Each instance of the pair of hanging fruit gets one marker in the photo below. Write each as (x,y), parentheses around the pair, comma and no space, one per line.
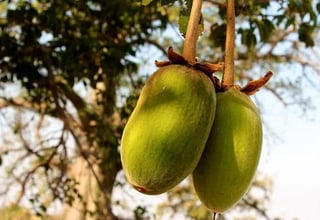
(181,126)
(186,122)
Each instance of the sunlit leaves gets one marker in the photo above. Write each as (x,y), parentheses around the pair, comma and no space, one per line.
(3,11)
(146,2)
(184,19)
(163,2)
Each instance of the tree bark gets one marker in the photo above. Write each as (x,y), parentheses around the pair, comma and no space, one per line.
(97,168)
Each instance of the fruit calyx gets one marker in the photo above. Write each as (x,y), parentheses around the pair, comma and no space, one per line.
(207,68)
(252,86)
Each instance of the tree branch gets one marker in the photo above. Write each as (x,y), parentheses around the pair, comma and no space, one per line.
(255,206)
(157,45)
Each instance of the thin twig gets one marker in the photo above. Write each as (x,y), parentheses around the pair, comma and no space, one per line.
(253,205)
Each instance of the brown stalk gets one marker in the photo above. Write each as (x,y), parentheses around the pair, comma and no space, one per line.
(190,42)
(228,74)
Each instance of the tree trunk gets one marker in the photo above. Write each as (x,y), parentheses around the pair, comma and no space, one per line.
(97,168)
(94,199)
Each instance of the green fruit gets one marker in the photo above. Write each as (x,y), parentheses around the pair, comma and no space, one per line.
(166,133)
(232,153)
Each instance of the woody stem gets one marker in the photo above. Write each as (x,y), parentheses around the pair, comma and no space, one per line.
(190,42)
(228,74)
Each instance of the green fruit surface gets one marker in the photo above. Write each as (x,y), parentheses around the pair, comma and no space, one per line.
(232,153)
(167,131)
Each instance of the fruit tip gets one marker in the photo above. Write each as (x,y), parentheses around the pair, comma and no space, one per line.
(140,189)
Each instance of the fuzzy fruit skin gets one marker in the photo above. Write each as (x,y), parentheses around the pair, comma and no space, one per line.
(232,153)
(167,131)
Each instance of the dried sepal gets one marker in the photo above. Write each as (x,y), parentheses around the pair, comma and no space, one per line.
(176,58)
(253,86)
(206,68)
(162,63)
(209,68)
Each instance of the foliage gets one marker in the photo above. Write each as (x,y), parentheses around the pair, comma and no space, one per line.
(47,49)
(16,213)
(63,64)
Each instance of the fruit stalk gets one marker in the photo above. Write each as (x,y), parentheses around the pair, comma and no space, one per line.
(228,74)
(190,42)
(214,216)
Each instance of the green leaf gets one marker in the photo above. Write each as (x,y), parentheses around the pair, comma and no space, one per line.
(306,34)
(3,8)
(265,28)
(146,2)
(279,19)
(188,4)
(184,19)
(289,22)
(218,35)
(248,38)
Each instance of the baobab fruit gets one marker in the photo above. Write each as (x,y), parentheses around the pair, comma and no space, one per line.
(232,152)
(167,131)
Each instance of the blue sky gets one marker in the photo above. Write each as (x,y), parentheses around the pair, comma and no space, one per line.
(293,162)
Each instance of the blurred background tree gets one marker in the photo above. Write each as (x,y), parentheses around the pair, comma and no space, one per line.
(70,74)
